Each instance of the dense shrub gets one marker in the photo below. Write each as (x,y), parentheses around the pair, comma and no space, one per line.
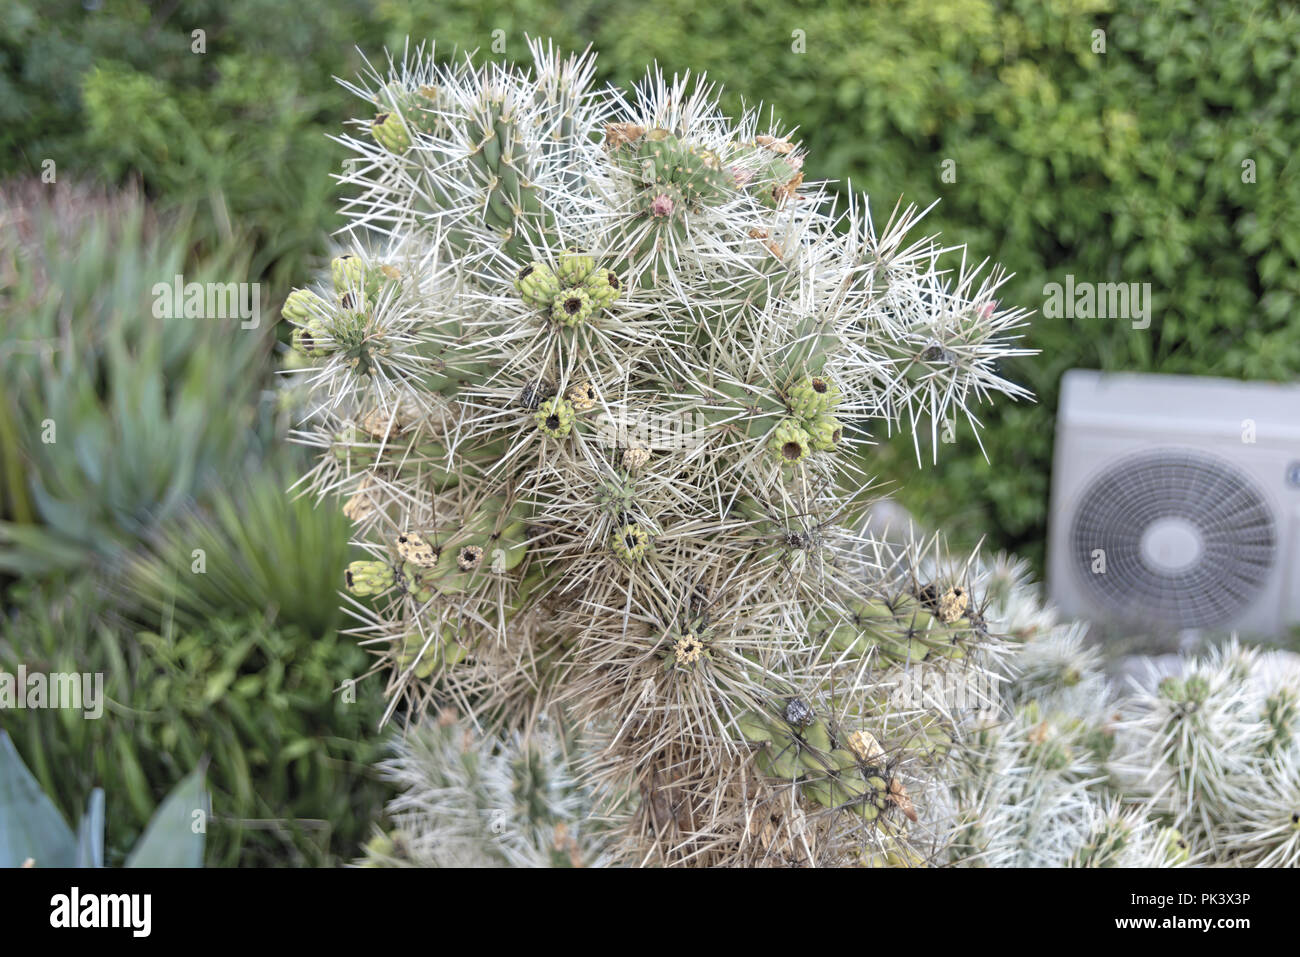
(1122,166)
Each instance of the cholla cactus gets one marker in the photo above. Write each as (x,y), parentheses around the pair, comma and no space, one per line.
(1216,749)
(1200,767)
(1028,783)
(467,800)
(591,381)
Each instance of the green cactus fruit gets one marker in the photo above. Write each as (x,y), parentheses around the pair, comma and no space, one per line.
(390,132)
(571,307)
(1174,845)
(369,577)
(630,542)
(303,305)
(812,396)
(348,273)
(789,442)
(555,417)
(604,287)
(825,432)
(575,267)
(311,339)
(537,284)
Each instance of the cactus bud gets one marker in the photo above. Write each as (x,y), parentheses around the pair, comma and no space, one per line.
(369,578)
(825,432)
(812,396)
(575,267)
(310,339)
(348,273)
(303,304)
(662,206)
(390,132)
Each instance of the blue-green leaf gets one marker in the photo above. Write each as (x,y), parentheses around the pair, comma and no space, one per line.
(172,838)
(31,827)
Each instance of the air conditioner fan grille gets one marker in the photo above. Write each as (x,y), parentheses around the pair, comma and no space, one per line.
(1216,502)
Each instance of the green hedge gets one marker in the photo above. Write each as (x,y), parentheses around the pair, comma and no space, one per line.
(1122,166)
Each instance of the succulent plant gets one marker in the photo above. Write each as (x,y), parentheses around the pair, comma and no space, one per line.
(625,357)
(467,799)
(1198,767)
(33,833)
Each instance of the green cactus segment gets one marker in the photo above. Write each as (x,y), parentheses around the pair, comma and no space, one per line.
(417,110)
(431,653)
(798,746)
(511,204)
(813,341)
(390,132)
(898,632)
(493,540)
(789,442)
(367,578)
(555,417)
(672,176)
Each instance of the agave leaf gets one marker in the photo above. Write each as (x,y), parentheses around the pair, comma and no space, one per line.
(30,825)
(90,832)
(170,839)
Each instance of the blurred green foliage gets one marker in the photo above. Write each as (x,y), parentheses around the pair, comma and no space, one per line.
(117,418)
(250,547)
(290,758)
(165,441)
(1117,166)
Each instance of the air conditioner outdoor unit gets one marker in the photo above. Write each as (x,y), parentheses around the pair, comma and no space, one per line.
(1176,503)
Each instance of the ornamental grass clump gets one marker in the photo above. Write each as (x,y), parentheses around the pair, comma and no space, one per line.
(592,380)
